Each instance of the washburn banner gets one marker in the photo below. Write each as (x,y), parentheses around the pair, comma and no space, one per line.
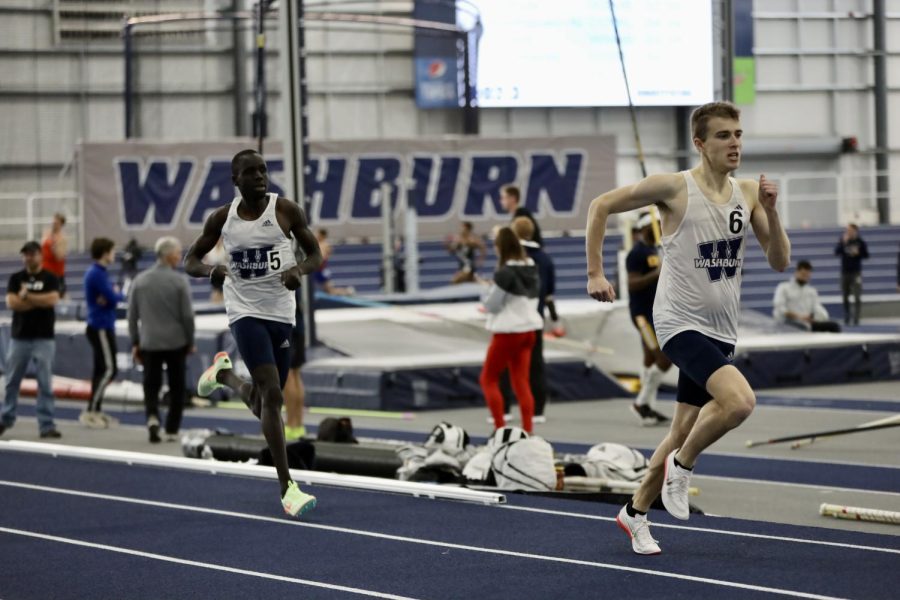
(146,189)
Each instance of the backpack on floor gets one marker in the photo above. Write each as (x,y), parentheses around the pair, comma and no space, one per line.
(615,461)
(525,464)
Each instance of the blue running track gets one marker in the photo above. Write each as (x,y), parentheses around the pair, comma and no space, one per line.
(72,528)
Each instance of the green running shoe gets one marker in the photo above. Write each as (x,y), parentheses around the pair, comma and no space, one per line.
(294,433)
(208,384)
(297,503)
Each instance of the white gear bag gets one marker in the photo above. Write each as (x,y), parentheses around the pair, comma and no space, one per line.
(525,464)
(615,461)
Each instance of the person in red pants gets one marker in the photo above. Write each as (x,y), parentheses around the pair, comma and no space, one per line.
(511,305)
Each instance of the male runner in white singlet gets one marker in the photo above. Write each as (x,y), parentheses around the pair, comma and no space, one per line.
(705,213)
(259,282)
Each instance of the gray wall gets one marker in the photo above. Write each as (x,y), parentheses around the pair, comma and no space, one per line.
(813,71)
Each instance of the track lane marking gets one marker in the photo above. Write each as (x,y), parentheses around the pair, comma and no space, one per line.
(419,541)
(202,565)
(763,536)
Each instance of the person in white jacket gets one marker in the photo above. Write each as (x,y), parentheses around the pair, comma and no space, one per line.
(797,303)
(511,303)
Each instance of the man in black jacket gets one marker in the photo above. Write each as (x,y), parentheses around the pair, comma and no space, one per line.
(510,197)
(852,249)
(31,295)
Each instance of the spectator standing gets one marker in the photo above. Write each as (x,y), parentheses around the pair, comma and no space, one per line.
(31,294)
(523,227)
(511,304)
(853,250)
(131,256)
(797,303)
(510,198)
(161,329)
(54,247)
(294,391)
(101,298)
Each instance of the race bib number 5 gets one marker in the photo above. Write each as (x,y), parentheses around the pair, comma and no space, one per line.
(274,260)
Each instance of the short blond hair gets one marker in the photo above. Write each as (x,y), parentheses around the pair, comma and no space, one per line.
(523,228)
(701,116)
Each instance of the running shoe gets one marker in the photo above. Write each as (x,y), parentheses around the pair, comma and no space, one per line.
(51,433)
(294,433)
(208,384)
(91,420)
(661,419)
(107,420)
(297,503)
(153,430)
(676,485)
(638,529)
(645,414)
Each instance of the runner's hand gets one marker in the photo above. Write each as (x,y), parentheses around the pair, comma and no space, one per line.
(600,289)
(291,278)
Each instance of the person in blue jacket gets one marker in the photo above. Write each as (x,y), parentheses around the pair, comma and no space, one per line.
(101,297)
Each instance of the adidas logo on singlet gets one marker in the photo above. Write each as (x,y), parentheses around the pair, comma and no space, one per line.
(285,344)
(268,223)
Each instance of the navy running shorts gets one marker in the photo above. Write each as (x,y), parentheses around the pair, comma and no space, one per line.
(697,357)
(263,342)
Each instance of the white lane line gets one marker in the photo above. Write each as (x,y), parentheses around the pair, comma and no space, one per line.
(423,542)
(778,538)
(800,459)
(814,486)
(202,565)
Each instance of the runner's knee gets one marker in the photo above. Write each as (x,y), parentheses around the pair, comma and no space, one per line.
(740,404)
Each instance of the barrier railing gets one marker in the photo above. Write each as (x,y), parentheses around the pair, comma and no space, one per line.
(37,216)
(820,199)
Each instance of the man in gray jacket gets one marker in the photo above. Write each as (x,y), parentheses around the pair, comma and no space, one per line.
(161,327)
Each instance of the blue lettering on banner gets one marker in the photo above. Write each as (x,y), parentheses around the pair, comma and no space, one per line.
(218,190)
(489,174)
(325,191)
(251,262)
(372,173)
(718,257)
(153,190)
(440,202)
(561,188)
(156,189)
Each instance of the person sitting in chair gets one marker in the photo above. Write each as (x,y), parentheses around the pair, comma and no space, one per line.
(797,303)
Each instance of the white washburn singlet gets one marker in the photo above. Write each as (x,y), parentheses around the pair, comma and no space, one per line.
(258,253)
(700,283)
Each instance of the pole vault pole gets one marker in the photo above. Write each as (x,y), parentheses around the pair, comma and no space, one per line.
(657,230)
(259,121)
(295,131)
